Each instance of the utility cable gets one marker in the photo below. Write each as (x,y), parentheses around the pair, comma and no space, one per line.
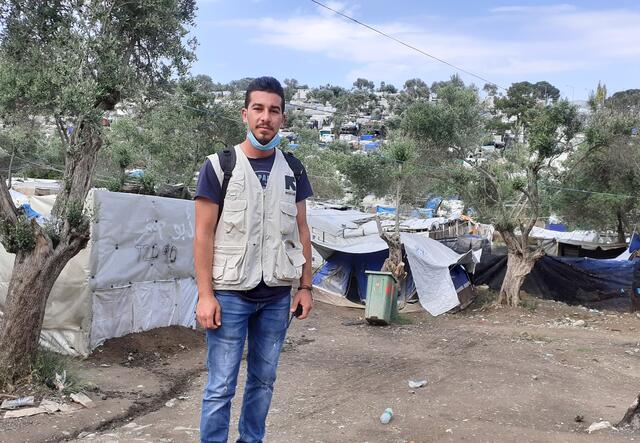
(407,45)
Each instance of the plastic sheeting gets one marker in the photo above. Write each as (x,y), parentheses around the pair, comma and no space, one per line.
(567,279)
(345,273)
(155,245)
(141,307)
(136,273)
(430,262)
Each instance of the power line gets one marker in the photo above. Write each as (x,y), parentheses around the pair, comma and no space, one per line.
(408,45)
(584,191)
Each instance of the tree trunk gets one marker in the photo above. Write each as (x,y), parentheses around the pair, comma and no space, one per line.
(393,263)
(622,238)
(518,267)
(33,275)
(36,270)
(520,261)
(632,418)
(9,172)
(80,163)
(31,281)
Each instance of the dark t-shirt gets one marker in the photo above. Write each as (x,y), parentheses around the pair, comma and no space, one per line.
(209,187)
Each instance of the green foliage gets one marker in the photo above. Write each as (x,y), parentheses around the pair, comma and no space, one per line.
(455,81)
(367,174)
(291,85)
(455,121)
(49,363)
(76,216)
(363,83)
(522,97)
(19,236)
(628,100)
(171,139)
(607,164)
(388,88)
(320,165)
(327,94)
(503,186)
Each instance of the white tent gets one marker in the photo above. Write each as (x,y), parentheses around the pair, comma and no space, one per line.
(135,274)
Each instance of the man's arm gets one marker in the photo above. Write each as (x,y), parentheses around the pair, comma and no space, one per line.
(303,296)
(208,309)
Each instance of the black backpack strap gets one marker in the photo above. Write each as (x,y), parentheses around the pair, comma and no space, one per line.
(227,160)
(294,164)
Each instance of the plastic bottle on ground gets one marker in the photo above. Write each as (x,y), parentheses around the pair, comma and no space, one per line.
(386,416)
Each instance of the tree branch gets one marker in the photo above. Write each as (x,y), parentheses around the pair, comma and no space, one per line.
(62,130)
(8,210)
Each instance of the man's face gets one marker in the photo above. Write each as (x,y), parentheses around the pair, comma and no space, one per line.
(264,115)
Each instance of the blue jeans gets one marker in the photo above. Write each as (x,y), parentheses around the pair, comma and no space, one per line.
(265,324)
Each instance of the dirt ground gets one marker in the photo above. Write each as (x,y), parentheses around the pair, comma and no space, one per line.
(494,375)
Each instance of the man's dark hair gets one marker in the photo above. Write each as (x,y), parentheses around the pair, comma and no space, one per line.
(265,84)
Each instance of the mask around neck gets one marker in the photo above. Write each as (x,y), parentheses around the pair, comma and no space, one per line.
(275,141)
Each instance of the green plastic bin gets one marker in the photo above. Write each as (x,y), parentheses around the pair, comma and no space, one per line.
(382,295)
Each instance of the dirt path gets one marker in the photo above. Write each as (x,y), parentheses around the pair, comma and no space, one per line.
(495,375)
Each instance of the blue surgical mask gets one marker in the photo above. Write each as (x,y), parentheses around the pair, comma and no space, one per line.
(275,141)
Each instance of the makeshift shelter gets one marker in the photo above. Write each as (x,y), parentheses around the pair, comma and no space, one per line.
(567,279)
(577,243)
(350,244)
(135,274)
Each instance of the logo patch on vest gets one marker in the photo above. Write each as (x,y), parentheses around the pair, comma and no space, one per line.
(289,184)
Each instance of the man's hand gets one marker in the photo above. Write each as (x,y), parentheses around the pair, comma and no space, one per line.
(208,312)
(302,298)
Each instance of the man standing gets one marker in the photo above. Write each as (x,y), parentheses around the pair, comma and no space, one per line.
(246,260)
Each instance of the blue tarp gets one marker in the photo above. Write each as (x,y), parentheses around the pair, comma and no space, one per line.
(33,214)
(371,146)
(573,280)
(29,211)
(558,227)
(634,244)
(136,173)
(367,137)
(385,210)
(345,274)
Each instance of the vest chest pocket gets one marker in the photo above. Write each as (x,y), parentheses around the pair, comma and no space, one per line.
(227,263)
(236,184)
(233,216)
(288,212)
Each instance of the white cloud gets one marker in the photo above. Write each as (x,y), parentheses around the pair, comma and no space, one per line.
(544,40)
(548,9)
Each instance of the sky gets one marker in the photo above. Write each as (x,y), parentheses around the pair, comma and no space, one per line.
(571,45)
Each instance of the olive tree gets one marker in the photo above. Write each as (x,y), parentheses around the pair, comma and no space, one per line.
(71,61)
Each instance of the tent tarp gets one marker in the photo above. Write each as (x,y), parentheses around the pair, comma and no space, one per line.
(343,274)
(430,261)
(567,279)
(135,274)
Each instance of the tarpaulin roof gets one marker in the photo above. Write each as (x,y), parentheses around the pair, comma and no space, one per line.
(568,279)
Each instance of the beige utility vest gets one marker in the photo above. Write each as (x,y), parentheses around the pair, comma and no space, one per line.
(257,235)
